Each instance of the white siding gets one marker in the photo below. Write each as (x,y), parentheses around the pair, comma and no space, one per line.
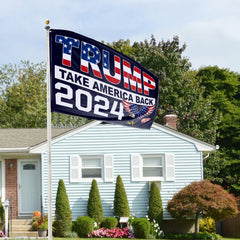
(121,142)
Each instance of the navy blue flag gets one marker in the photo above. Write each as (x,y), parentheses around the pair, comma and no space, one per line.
(92,80)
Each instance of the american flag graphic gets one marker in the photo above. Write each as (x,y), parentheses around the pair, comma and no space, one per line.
(68,43)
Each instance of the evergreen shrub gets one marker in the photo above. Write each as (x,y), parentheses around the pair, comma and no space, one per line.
(110,223)
(63,214)
(2,214)
(155,210)
(121,207)
(94,208)
(83,226)
(141,228)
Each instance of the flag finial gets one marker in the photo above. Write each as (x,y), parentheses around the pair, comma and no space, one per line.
(47,27)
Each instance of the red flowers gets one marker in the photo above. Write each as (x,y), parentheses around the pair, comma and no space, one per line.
(111,233)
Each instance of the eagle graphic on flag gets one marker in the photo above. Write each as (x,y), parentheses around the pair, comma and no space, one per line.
(136,113)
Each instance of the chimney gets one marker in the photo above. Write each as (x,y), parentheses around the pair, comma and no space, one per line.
(170,119)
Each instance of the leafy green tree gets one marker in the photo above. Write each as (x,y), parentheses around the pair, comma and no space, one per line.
(223,86)
(121,207)
(178,86)
(63,214)
(202,197)
(94,208)
(155,210)
(23,98)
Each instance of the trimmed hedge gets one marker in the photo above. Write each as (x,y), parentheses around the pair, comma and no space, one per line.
(63,214)
(110,223)
(94,208)
(155,211)
(83,226)
(141,227)
(121,207)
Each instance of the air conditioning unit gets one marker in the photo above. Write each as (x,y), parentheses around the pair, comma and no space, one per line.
(159,184)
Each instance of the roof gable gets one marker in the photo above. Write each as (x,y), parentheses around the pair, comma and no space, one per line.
(35,140)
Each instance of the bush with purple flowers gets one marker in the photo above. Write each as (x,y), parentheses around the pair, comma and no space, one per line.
(111,233)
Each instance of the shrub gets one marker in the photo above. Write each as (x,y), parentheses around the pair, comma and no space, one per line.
(71,234)
(155,211)
(207,225)
(110,223)
(63,214)
(94,208)
(121,208)
(83,226)
(141,227)
(2,214)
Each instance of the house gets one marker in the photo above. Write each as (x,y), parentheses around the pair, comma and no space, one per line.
(100,151)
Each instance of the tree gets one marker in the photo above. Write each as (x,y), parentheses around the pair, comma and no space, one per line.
(94,208)
(63,214)
(155,210)
(178,86)
(23,98)
(223,86)
(202,197)
(121,208)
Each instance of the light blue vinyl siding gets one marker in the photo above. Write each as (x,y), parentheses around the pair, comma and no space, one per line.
(121,142)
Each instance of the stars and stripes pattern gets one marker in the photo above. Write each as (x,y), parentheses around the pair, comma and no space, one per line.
(90,55)
(134,78)
(68,43)
(116,78)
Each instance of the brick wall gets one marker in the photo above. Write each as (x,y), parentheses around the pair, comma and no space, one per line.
(11,185)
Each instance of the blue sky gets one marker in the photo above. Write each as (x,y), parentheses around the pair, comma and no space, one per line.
(210,28)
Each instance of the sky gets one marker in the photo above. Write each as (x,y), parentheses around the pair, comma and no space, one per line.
(209,28)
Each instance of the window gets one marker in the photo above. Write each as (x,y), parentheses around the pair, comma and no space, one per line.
(91,167)
(85,168)
(152,166)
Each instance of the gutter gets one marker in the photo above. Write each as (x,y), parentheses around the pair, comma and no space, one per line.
(14,150)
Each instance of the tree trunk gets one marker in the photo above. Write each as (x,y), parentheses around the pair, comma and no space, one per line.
(196,223)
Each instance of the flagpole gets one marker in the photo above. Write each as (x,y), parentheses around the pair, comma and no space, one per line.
(49,136)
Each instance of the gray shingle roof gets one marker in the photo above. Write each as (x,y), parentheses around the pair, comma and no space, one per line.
(26,137)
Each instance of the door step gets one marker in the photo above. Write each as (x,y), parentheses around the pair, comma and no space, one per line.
(21,228)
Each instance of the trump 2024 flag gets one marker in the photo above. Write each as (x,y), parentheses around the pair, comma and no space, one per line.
(92,80)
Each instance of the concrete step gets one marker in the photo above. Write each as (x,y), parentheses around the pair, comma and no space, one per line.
(21,228)
(21,221)
(23,234)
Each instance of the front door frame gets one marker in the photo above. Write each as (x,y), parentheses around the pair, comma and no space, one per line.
(20,161)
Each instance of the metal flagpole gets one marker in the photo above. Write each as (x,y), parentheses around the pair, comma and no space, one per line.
(49,137)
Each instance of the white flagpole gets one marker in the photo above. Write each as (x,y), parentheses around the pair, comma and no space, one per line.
(49,136)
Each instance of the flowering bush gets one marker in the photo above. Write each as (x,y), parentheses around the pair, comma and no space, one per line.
(155,229)
(40,222)
(111,233)
(2,234)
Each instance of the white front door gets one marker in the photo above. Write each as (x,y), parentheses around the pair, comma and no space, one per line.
(29,187)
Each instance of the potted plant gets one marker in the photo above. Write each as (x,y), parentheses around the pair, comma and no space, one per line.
(40,223)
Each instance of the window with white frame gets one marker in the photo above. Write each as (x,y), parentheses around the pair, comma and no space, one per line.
(92,167)
(84,168)
(153,167)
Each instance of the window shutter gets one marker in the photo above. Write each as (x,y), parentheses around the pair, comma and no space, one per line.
(75,168)
(108,168)
(170,166)
(136,166)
